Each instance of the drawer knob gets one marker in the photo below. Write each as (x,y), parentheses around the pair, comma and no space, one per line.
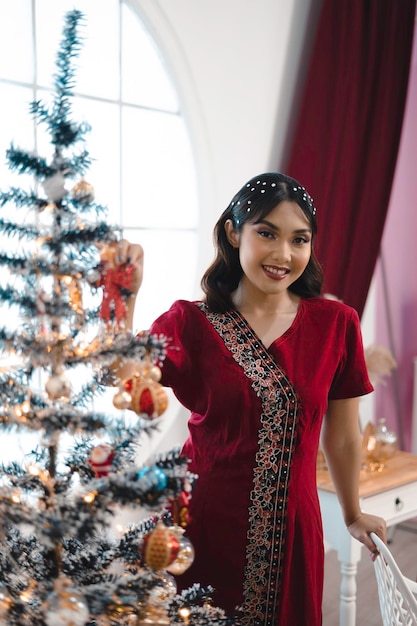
(399,504)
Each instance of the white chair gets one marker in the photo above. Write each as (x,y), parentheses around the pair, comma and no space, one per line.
(397,593)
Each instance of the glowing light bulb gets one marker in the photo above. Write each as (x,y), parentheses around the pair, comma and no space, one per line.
(25,595)
(90,497)
(185,613)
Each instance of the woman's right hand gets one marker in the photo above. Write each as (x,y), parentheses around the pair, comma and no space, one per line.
(132,254)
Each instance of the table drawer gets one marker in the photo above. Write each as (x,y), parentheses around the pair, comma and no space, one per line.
(394,505)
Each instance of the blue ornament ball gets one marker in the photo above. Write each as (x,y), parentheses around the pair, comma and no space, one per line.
(156,476)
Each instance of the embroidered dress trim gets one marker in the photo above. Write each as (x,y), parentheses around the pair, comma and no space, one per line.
(271,474)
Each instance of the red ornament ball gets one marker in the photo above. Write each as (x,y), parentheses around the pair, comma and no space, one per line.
(160,547)
(149,399)
(101,459)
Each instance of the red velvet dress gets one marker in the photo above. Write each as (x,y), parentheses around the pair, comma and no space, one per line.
(254,431)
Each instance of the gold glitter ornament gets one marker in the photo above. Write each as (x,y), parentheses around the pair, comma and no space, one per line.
(83,192)
(160,547)
(75,294)
(122,400)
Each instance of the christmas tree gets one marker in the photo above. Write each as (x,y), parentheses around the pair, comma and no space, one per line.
(61,562)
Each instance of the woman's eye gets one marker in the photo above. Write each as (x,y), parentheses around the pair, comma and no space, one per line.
(265,233)
(301,240)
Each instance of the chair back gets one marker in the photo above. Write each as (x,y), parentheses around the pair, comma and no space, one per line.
(397,593)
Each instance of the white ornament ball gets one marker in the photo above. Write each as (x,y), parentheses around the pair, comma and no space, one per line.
(66,607)
(184,559)
(155,373)
(57,386)
(54,187)
(164,591)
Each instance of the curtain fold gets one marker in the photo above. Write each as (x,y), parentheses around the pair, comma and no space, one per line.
(348,132)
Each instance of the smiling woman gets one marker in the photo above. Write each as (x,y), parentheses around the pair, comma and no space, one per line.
(261,363)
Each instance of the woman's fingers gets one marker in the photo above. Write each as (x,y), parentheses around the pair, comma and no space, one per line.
(132,254)
(363,526)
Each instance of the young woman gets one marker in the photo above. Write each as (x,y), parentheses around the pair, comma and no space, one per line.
(259,362)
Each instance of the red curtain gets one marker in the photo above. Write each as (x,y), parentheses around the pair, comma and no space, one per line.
(348,132)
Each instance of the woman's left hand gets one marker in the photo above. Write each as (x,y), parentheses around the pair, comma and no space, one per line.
(365,524)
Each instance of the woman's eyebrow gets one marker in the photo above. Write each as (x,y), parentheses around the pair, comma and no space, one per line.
(299,231)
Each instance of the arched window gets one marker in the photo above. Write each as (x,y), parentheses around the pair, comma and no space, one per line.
(143,166)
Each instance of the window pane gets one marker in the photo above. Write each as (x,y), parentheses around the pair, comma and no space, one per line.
(98,62)
(16,42)
(144,77)
(169,271)
(158,178)
(16,124)
(103,145)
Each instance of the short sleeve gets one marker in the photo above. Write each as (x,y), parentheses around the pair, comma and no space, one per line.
(351,378)
(180,326)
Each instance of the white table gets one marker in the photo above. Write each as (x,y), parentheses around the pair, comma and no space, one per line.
(391,493)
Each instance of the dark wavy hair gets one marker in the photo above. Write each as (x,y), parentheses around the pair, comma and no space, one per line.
(251,204)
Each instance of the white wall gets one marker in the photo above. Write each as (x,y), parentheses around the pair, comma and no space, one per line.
(237,66)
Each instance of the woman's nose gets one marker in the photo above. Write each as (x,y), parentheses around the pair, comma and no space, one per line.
(282,252)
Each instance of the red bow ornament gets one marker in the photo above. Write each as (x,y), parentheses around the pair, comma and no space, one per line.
(113,279)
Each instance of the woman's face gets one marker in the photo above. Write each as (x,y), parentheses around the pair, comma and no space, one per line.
(274,252)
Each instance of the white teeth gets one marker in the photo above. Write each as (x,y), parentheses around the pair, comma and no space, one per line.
(275,270)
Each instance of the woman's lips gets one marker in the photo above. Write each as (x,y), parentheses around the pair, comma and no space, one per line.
(277,273)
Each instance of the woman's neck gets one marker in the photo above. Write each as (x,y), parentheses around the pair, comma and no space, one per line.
(270,317)
(246,301)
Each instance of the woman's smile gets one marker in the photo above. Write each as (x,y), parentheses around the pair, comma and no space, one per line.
(276,273)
